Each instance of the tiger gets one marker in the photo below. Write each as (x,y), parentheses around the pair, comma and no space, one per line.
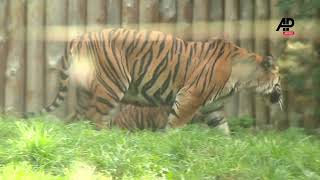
(132,117)
(152,69)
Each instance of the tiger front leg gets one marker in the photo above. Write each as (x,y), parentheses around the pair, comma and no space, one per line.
(186,104)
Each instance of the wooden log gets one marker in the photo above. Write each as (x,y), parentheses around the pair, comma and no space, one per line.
(113,13)
(261,47)
(149,14)
(216,15)
(130,14)
(276,48)
(14,84)
(35,56)
(200,20)
(96,15)
(4,5)
(168,16)
(231,33)
(76,22)
(184,19)
(246,41)
(56,38)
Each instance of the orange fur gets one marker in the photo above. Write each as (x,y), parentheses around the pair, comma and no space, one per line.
(153,69)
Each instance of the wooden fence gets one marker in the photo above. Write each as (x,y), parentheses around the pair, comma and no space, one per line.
(33,34)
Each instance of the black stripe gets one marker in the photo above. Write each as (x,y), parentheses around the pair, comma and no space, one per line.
(160,68)
(149,61)
(119,64)
(162,44)
(205,84)
(111,75)
(145,42)
(210,92)
(176,69)
(148,98)
(173,112)
(166,83)
(188,64)
(169,98)
(105,101)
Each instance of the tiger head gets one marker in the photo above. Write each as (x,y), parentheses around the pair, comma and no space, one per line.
(250,70)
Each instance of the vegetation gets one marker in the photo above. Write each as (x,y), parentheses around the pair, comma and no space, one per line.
(299,62)
(45,148)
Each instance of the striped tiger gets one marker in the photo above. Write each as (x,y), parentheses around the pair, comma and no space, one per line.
(132,117)
(151,68)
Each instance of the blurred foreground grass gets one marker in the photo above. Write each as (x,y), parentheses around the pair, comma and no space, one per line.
(45,148)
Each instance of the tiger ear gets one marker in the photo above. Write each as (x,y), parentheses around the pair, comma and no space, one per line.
(268,62)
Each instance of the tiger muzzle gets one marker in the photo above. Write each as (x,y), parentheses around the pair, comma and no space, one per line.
(276,94)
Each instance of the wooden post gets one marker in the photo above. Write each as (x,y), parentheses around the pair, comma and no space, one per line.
(149,14)
(261,47)
(14,87)
(200,20)
(114,13)
(216,14)
(168,16)
(184,18)
(56,37)
(276,48)
(76,22)
(96,15)
(3,49)
(130,14)
(35,56)
(231,33)
(246,41)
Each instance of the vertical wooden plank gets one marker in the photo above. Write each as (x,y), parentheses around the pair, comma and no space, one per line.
(14,87)
(261,47)
(76,22)
(114,13)
(3,49)
(231,33)
(56,37)
(149,14)
(216,16)
(184,18)
(200,20)
(168,16)
(276,48)
(96,15)
(130,14)
(35,56)
(246,41)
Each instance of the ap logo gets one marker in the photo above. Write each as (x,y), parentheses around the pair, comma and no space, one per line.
(285,24)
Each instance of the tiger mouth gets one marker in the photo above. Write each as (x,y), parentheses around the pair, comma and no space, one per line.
(275,96)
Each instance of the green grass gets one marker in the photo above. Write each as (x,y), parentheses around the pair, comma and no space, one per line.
(47,149)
